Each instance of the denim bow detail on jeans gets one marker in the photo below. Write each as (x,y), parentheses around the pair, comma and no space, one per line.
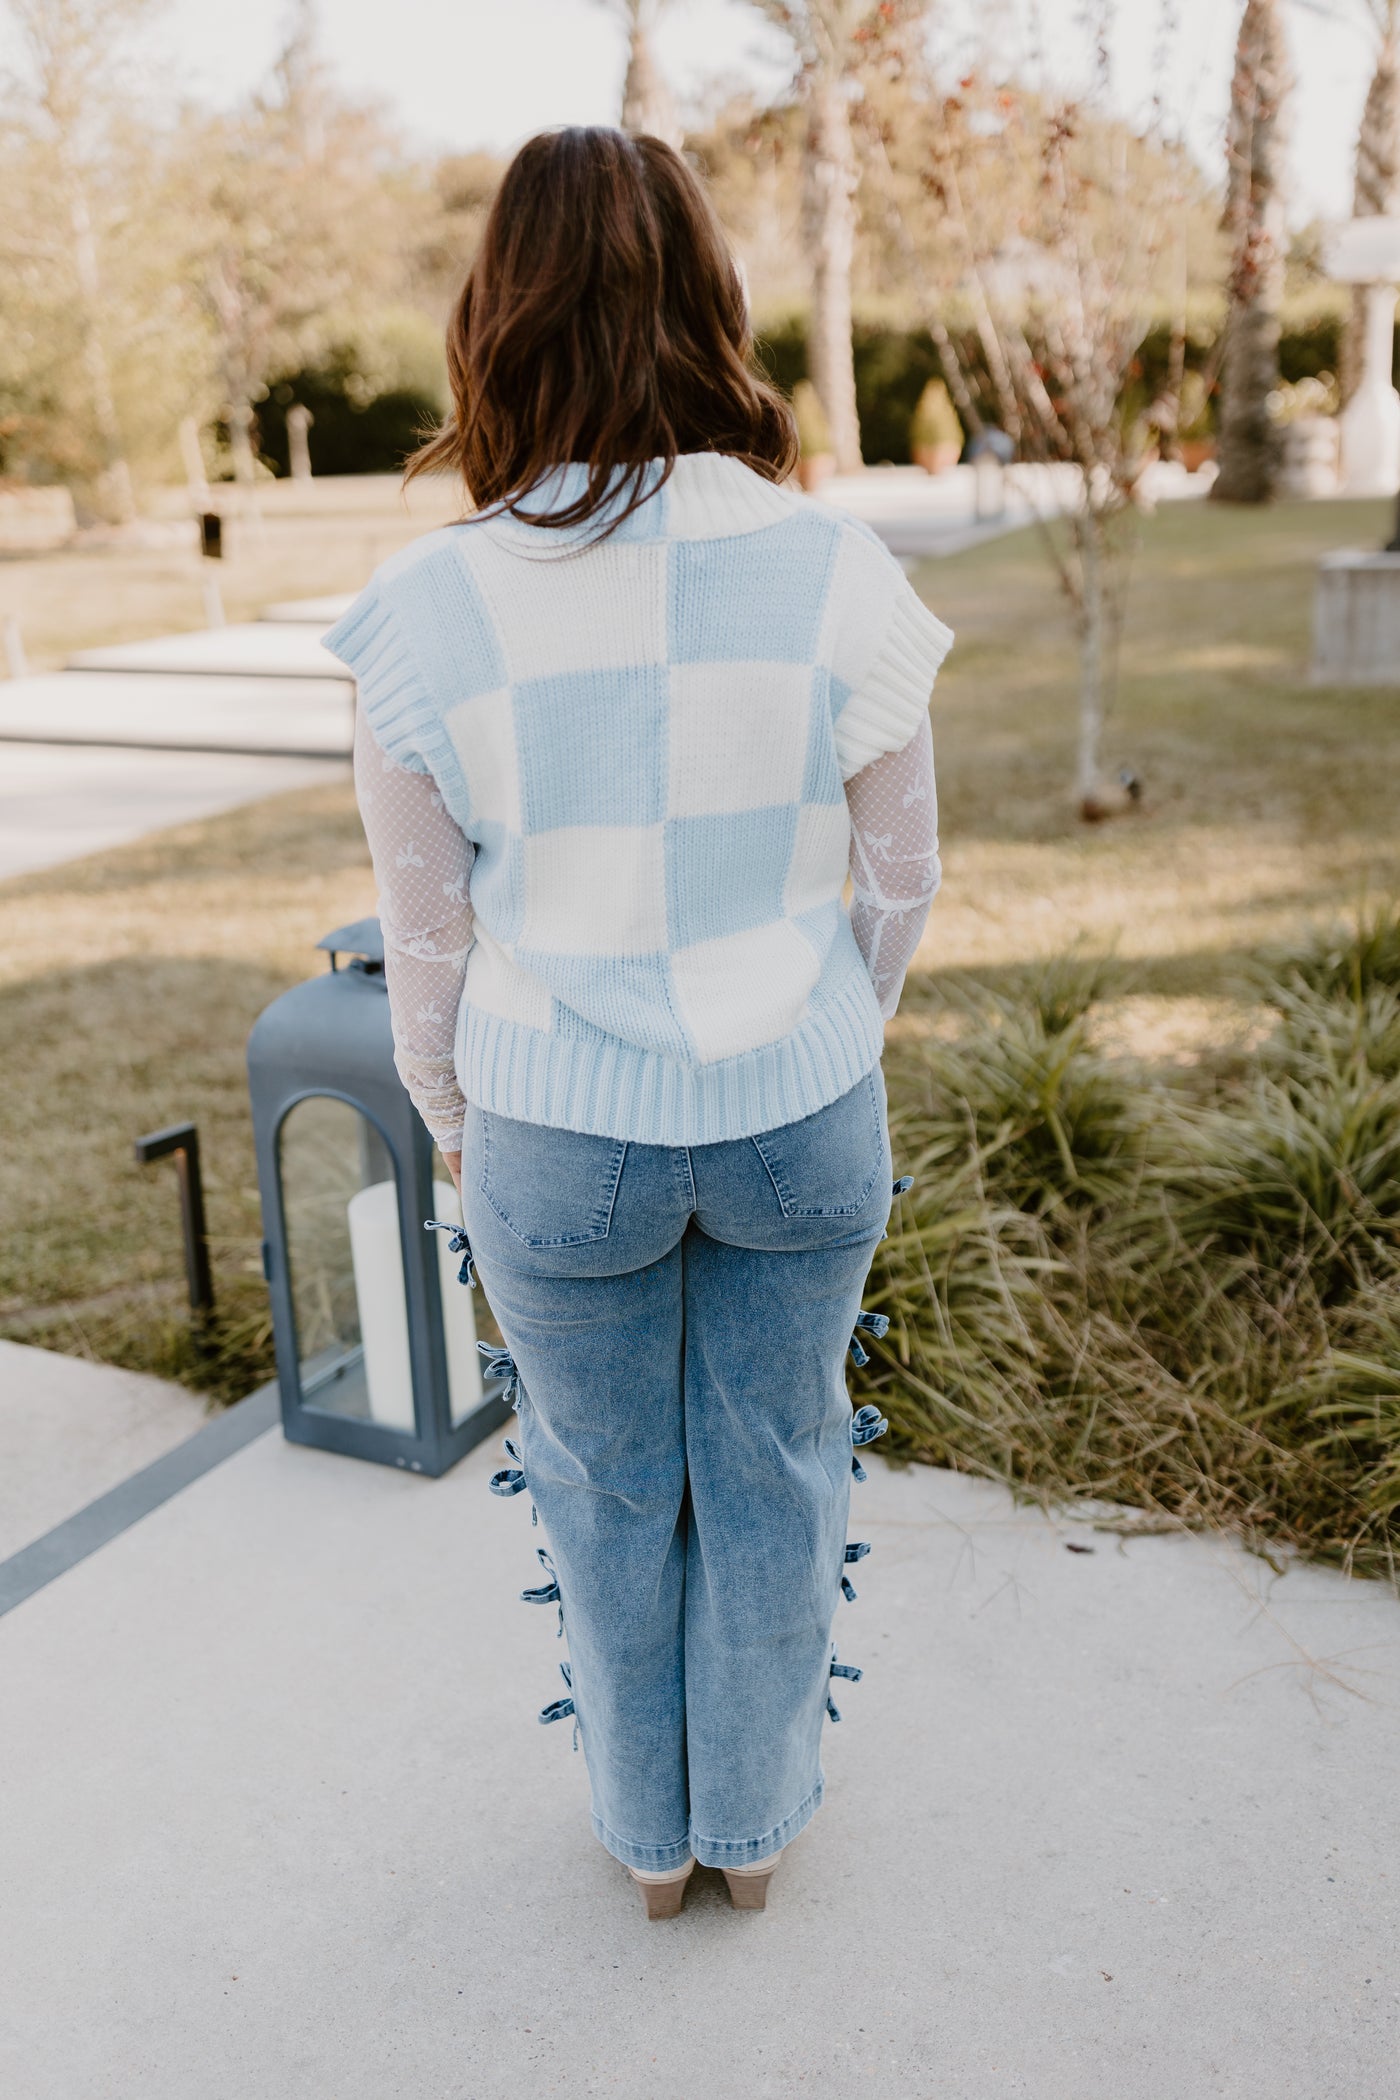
(840,1669)
(497,1362)
(867,1423)
(511,1479)
(560,1709)
(547,1592)
(458,1243)
(877,1324)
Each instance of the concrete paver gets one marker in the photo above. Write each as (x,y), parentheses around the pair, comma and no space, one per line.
(248,649)
(281,1824)
(305,717)
(61,801)
(919,515)
(313,612)
(70,1430)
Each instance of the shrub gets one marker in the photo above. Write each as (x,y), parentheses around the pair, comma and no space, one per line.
(935,420)
(1183,1300)
(894,365)
(373,393)
(1303,1176)
(813,430)
(1344,959)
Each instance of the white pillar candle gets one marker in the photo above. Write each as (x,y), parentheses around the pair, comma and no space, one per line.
(379,1290)
(377,1257)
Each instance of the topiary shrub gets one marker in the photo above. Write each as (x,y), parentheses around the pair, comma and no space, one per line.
(813,430)
(815,460)
(935,433)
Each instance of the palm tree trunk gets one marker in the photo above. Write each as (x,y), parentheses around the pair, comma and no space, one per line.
(831,183)
(118,495)
(1251,449)
(647,102)
(1377,189)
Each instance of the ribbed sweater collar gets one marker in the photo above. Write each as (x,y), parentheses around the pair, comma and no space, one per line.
(708,495)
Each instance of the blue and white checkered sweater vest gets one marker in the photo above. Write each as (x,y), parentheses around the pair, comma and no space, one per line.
(646,737)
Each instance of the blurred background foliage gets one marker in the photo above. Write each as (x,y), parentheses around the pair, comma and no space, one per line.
(218,266)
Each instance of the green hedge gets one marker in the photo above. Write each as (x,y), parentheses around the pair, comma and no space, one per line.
(347,435)
(352,435)
(894,365)
(892,369)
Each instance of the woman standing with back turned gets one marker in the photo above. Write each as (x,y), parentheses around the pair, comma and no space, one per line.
(623,732)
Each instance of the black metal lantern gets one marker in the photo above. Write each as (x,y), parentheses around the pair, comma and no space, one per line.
(376,1343)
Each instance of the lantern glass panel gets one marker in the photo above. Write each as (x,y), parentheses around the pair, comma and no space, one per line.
(341,1205)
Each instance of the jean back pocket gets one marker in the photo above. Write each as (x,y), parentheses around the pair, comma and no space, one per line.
(550,1188)
(826,1165)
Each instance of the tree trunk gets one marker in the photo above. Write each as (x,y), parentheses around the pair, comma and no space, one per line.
(1251,446)
(240,442)
(830,184)
(1377,190)
(118,493)
(1088,531)
(647,103)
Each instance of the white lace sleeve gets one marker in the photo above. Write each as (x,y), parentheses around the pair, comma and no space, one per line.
(894,860)
(423,866)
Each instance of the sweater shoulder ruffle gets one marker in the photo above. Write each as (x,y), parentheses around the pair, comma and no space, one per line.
(884,648)
(369,639)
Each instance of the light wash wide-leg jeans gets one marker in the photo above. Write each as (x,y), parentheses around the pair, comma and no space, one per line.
(679,1318)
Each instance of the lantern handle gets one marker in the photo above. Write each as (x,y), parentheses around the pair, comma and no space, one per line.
(363,940)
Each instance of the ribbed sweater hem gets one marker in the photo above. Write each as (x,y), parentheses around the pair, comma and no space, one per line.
(622,1091)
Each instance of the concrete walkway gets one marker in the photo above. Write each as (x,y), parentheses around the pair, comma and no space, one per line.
(143,735)
(69,1430)
(162,711)
(264,648)
(60,801)
(280,1823)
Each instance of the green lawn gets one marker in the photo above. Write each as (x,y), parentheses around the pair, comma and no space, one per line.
(1266,801)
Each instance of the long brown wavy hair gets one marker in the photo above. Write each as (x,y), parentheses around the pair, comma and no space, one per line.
(603,320)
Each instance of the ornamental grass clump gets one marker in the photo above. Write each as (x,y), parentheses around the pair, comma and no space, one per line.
(1178,1294)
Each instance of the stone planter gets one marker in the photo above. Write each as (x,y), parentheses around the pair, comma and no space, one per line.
(1356,620)
(1311,457)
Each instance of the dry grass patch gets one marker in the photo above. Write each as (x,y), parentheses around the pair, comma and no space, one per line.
(310,541)
(1268,802)
(127,988)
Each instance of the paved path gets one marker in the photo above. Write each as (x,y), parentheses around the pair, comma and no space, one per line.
(59,802)
(281,1825)
(144,735)
(70,1430)
(269,687)
(165,711)
(919,515)
(312,612)
(265,648)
